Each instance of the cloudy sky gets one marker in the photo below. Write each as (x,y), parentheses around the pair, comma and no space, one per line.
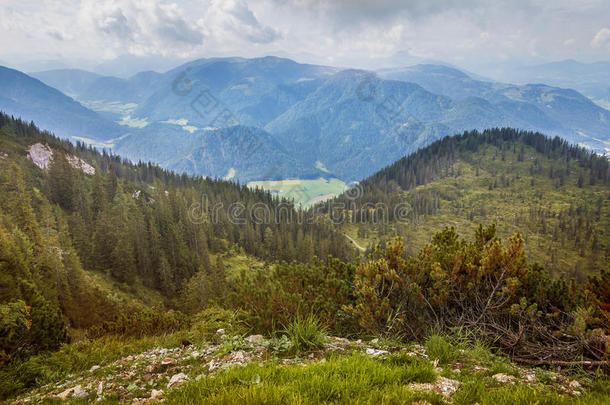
(469,33)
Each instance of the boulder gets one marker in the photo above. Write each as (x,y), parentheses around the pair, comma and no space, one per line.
(177,379)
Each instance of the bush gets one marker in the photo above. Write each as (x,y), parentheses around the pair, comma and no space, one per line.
(141,322)
(306,333)
(481,285)
(278,294)
(207,322)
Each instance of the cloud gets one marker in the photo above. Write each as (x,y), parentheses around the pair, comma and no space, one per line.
(141,26)
(601,39)
(56,35)
(235,18)
(354,33)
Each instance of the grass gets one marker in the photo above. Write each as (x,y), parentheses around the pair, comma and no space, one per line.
(475,390)
(439,348)
(306,334)
(350,377)
(75,358)
(305,192)
(355,378)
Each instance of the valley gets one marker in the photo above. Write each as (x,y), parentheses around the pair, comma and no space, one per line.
(302,114)
(305,202)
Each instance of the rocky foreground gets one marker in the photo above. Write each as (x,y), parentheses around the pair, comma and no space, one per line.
(149,376)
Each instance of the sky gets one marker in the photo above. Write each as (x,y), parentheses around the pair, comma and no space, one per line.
(473,34)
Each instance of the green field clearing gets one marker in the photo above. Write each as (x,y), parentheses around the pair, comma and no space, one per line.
(304,192)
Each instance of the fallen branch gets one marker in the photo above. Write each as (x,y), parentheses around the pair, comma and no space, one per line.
(561,363)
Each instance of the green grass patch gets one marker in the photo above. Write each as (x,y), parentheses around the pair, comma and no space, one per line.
(75,358)
(347,379)
(306,333)
(304,192)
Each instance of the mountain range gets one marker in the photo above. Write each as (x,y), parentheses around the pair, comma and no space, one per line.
(591,79)
(303,121)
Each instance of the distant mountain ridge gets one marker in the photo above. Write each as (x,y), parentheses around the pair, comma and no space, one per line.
(29,98)
(351,122)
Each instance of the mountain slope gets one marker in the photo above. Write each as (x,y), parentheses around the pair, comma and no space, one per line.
(238,84)
(591,79)
(69,235)
(350,122)
(239,152)
(556,194)
(71,82)
(555,111)
(32,100)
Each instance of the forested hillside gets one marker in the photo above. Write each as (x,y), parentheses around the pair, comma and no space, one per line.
(102,259)
(66,235)
(554,193)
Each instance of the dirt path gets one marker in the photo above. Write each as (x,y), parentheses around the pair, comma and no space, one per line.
(354,242)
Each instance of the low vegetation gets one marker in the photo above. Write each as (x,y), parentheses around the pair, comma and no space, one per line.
(106,281)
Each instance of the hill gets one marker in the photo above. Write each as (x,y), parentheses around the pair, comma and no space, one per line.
(552,110)
(32,100)
(591,79)
(124,281)
(79,225)
(554,193)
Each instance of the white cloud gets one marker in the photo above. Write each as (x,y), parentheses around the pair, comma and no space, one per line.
(601,39)
(140,26)
(234,19)
(358,33)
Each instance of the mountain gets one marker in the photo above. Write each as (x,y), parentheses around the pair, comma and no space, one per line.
(126,282)
(354,123)
(252,90)
(32,100)
(591,79)
(239,152)
(350,122)
(82,220)
(554,193)
(556,111)
(71,82)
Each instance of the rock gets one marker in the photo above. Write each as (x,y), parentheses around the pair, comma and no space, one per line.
(177,379)
(255,339)
(41,155)
(74,392)
(443,386)
(220,332)
(100,389)
(375,352)
(375,341)
(574,384)
(332,347)
(529,377)
(155,394)
(503,378)
(92,369)
(167,361)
